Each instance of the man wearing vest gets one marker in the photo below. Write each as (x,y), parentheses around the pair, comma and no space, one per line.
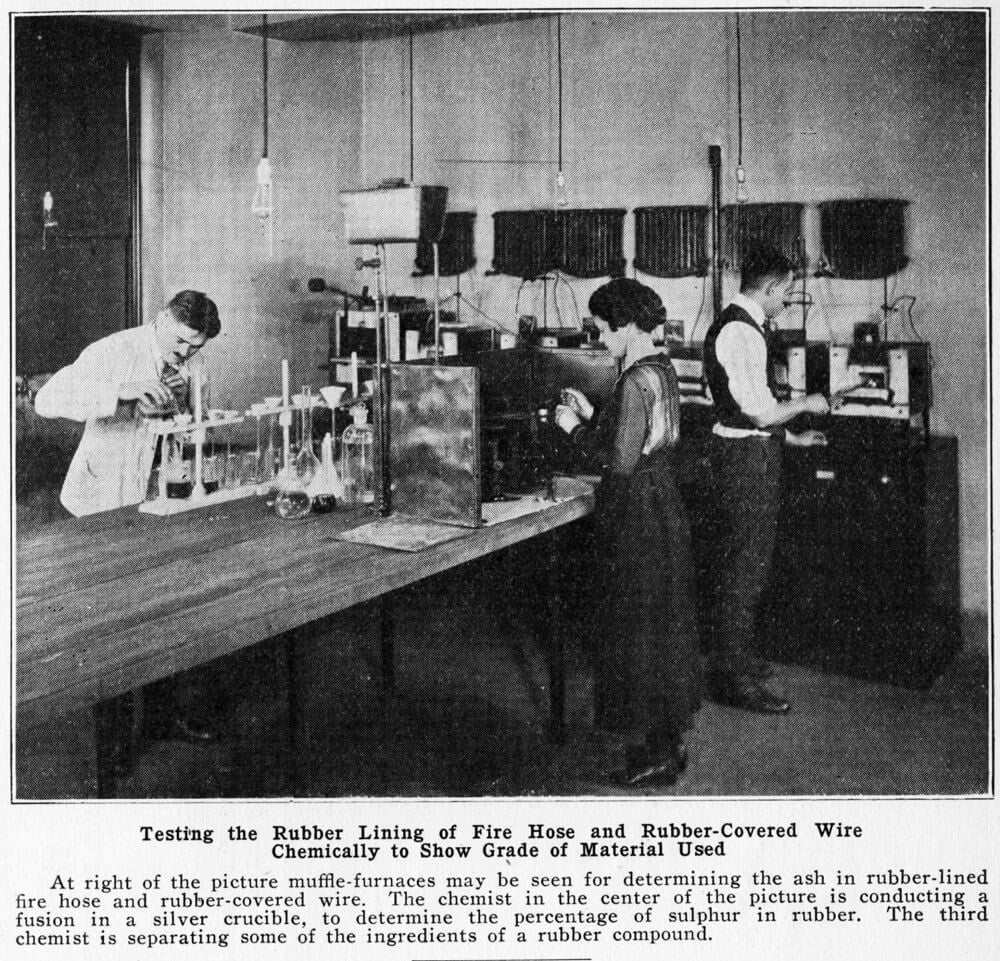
(746,461)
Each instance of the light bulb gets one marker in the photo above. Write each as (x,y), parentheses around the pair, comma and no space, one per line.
(741,188)
(47,204)
(561,199)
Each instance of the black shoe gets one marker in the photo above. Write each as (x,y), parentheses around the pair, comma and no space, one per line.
(647,768)
(748,694)
(182,729)
(760,669)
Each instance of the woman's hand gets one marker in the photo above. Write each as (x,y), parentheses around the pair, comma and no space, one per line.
(567,419)
(577,403)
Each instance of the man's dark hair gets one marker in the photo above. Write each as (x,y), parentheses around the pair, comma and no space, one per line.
(761,265)
(193,309)
(623,300)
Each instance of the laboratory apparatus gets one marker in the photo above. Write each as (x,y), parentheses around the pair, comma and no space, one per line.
(357,458)
(326,487)
(434,443)
(191,476)
(306,462)
(293,501)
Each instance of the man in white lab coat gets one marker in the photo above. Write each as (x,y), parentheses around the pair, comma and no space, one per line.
(114,386)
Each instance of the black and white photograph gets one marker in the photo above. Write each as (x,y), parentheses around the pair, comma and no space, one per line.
(500,404)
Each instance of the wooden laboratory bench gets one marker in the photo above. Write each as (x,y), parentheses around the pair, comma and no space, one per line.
(111,602)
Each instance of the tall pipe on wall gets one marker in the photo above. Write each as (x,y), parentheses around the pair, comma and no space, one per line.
(715,163)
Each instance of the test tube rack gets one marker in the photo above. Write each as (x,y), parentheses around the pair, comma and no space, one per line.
(164,506)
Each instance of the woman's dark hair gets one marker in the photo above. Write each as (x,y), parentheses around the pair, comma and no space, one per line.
(622,301)
(193,309)
(760,266)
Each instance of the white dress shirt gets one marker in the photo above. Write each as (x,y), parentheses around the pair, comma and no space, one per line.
(742,352)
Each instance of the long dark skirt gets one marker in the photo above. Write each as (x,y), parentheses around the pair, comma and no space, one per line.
(648,680)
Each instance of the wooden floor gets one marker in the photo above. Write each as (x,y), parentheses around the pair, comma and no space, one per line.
(469,718)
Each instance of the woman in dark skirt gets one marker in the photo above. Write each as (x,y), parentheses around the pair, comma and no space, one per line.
(648,671)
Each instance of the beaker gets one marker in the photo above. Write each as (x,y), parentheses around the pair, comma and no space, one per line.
(177,466)
(211,470)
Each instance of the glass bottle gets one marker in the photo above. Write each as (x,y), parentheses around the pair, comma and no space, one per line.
(357,467)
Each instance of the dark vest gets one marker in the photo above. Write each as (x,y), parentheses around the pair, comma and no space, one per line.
(727,411)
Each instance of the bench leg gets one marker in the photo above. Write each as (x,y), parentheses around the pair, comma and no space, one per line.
(114,742)
(550,636)
(387,638)
(298,767)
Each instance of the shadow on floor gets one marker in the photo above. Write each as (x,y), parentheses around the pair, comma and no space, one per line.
(469,715)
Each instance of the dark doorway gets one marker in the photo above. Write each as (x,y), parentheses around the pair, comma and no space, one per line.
(76,130)
(76,125)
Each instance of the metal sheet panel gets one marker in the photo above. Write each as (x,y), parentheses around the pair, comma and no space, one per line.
(434,443)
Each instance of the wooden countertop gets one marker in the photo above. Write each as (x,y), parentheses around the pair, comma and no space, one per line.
(108,603)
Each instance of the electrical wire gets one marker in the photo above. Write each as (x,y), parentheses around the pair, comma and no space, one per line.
(495,324)
(411,105)
(701,306)
(739,96)
(517,301)
(572,294)
(263,35)
(555,297)
(559,68)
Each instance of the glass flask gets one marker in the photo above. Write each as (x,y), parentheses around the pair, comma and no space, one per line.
(292,501)
(326,487)
(306,462)
(357,466)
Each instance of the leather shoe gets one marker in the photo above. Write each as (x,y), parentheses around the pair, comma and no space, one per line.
(183,729)
(647,768)
(749,694)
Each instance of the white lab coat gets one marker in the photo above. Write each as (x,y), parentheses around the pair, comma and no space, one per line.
(111,467)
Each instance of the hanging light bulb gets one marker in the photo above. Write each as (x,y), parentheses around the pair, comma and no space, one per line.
(261,205)
(741,186)
(561,199)
(741,177)
(48,217)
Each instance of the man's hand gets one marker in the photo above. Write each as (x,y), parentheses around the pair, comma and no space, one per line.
(817,404)
(577,402)
(177,384)
(152,397)
(567,419)
(807,438)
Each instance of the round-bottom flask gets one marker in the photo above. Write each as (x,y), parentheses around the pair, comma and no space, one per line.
(292,502)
